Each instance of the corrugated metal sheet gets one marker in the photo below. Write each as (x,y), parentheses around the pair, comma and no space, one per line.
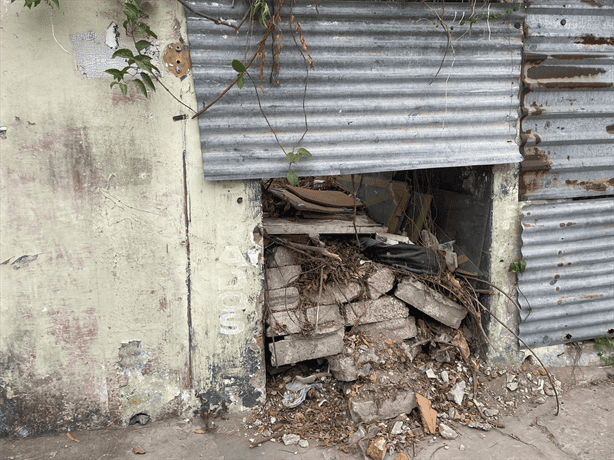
(567,291)
(373,102)
(569,100)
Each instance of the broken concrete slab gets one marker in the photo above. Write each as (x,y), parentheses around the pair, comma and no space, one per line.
(333,294)
(373,311)
(277,278)
(346,368)
(295,348)
(327,318)
(431,302)
(396,330)
(282,257)
(380,282)
(286,298)
(372,403)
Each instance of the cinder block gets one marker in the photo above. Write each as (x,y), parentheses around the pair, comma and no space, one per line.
(283,299)
(332,294)
(396,330)
(431,302)
(295,321)
(295,348)
(373,311)
(277,278)
(380,282)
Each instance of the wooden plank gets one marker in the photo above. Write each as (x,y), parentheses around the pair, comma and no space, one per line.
(321,226)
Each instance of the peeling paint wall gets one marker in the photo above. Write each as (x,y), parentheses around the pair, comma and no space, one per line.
(95,324)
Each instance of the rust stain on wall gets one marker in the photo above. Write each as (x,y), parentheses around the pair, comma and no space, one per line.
(591,186)
(559,72)
(592,40)
(609,129)
(535,168)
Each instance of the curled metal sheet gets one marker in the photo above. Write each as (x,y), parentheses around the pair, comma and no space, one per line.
(568,100)
(567,290)
(387,91)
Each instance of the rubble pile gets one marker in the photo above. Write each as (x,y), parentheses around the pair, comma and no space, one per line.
(373,356)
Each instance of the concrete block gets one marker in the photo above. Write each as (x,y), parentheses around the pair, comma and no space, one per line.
(283,299)
(431,302)
(373,311)
(332,294)
(371,403)
(296,321)
(396,330)
(295,348)
(380,282)
(282,257)
(277,278)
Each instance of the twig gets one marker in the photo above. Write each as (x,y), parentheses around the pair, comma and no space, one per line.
(169,92)
(322,251)
(216,20)
(264,114)
(269,30)
(498,289)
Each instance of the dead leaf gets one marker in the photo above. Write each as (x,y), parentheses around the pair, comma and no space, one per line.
(138,451)
(461,343)
(72,438)
(199,432)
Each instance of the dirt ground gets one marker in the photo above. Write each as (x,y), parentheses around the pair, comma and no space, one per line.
(582,430)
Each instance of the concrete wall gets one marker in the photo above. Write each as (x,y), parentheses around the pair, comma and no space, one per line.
(142,281)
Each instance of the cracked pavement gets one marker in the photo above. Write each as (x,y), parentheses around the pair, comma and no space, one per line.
(582,430)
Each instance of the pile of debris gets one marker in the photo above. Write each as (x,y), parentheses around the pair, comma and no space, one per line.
(368,339)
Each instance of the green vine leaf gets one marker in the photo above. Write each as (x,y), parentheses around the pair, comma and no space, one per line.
(124,88)
(292,178)
(141,45)
(238,66)
(141,86)
(240,82)
(123,53)
(117,74)
(518,267)
(148,81)
(304,153)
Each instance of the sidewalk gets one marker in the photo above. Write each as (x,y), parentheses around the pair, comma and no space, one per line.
(584,429)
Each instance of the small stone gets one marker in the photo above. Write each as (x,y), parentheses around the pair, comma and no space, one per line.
(446,447)
(431,374)
(461,447)
(452,413)
(447,432)
(549,391)
(267,433)
(397,428)
(357,435)
(444,377)
(303,443)
(457,392)
(490,412)
(377,449)
(290,439)
(540,400)
(512,386)
(509,403)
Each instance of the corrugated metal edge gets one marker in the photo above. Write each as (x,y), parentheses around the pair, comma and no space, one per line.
(568,101)
(466,116)
(567,291)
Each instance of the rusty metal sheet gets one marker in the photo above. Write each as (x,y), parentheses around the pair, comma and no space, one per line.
(567,290)
(568,100)
(387,93)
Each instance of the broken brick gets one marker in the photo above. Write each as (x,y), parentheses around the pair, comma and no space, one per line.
(295,321)
(396,330)
(332,294)
(277,278)
(373,311)
(431,302)
(427,414)
(380,282)
(283,299)
(295,348)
